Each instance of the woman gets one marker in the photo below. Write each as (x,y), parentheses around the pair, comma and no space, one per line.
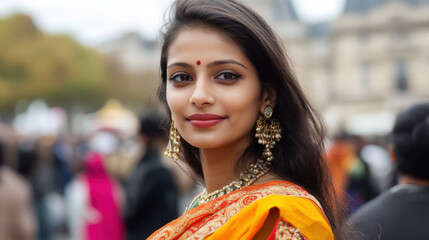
(242,123)
(94,203)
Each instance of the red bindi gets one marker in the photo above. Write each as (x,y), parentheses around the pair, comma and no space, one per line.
(198,62)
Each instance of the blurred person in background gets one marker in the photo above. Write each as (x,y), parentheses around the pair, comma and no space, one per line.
(93,201)
(40,175)
(402,212)
(16,214)
(377,156)
(351,174)
(62,153)
(151,192)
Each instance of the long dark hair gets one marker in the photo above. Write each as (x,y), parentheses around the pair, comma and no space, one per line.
(299,155)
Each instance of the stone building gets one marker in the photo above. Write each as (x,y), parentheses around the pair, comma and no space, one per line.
(359,69)
(363,67)
(379,62)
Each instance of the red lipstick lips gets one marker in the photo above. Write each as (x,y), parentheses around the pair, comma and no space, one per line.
(205,120)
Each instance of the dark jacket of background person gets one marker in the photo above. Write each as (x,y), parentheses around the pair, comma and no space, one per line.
(35,166)
(150,191)
(16,213)
(351,174)
(402,212)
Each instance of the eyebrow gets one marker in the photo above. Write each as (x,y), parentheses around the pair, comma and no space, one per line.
(220,62)
(212,64)
(180,64)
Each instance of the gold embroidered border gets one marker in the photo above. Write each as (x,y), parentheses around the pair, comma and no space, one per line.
(203,221)
(286,231)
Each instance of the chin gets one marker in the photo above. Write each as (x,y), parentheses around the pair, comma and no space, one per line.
(204,144)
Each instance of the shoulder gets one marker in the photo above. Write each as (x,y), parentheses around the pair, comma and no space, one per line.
(365,221)
(20,185)
(287,210)
(150,173)
(379,213)
(281,191)
(151,164)
(297,217)
(372,209)
(15,192)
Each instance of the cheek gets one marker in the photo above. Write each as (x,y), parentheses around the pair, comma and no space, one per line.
(246,99)
(174,100)
(244,107)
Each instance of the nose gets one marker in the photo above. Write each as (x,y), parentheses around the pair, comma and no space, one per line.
(203,93)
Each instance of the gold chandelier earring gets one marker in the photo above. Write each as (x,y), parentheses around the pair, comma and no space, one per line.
(268,132)
(173,147)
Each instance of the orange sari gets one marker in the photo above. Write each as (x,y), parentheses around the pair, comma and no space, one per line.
(242,213)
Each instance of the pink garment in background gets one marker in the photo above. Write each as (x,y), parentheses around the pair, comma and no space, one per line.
(105,220)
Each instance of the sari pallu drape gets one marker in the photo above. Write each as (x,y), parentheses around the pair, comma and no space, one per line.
(242,213)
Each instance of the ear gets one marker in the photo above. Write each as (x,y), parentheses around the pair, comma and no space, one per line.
(392,153)
(269,97)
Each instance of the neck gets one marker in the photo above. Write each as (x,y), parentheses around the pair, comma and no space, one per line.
(219,166)
(407,179)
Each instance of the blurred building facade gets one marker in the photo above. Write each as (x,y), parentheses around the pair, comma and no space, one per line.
(132,52)
(363,67)
(359,69)
(379,60)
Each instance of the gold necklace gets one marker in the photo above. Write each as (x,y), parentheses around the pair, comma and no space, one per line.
(256,170)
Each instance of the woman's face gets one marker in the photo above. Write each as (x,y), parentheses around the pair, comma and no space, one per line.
(212,89)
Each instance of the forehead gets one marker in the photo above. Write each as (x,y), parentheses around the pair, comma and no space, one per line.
(200,41)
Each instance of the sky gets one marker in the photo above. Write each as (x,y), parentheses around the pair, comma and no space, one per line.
(93,22)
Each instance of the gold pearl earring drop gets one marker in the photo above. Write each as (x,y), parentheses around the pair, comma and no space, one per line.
(173,147)
(268,132)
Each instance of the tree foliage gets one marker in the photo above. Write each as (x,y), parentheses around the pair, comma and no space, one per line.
(57,69)
(52,67)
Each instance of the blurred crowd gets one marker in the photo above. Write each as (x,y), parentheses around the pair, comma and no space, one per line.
(361,168)
(109,184)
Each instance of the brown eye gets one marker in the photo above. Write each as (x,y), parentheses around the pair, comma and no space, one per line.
(181,77)
(228,76)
